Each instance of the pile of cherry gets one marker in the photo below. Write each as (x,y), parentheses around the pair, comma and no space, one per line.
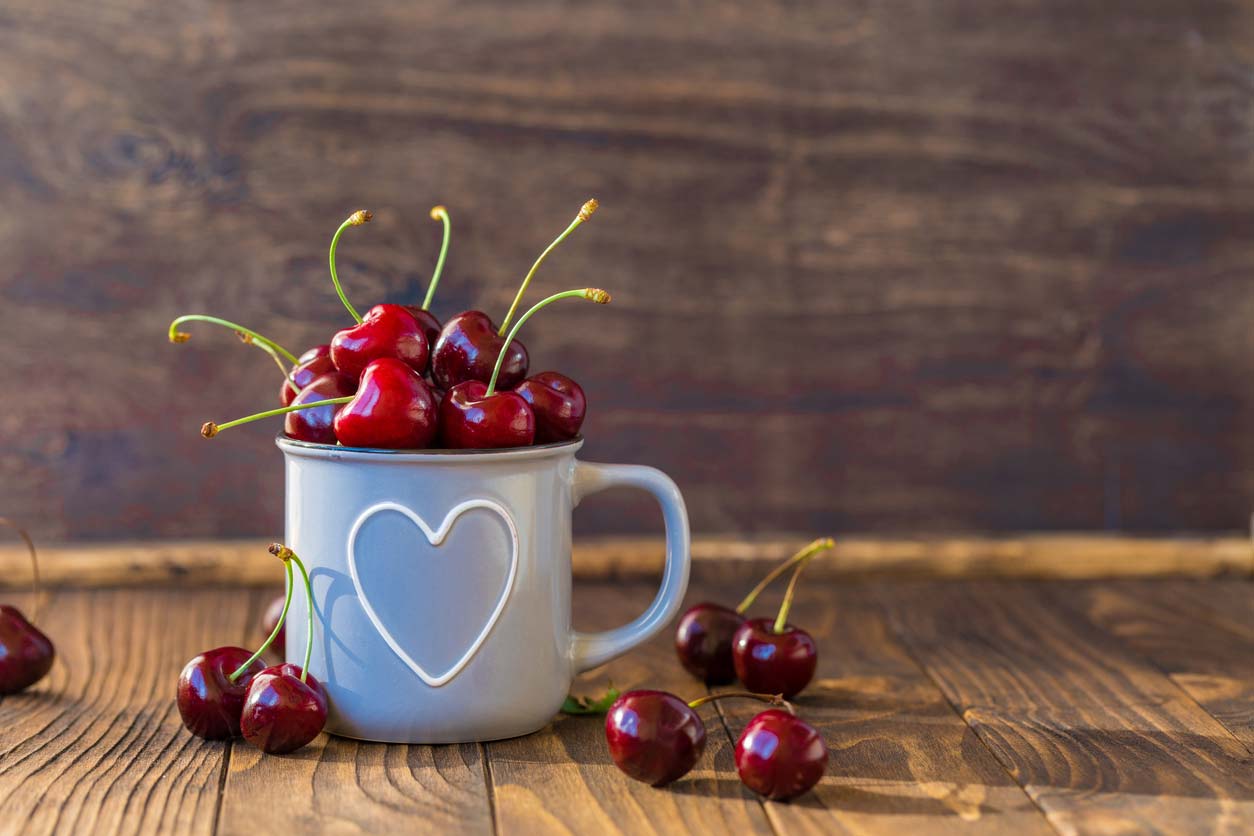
(398,379)
(657,737)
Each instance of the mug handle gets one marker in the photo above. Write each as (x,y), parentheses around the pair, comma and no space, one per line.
(592,649)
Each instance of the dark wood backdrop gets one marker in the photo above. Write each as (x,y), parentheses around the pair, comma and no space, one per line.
(880,266)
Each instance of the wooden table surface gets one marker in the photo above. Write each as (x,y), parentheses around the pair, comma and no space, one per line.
(1000,706)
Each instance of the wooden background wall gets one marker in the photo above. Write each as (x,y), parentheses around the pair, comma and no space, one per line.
(882,266)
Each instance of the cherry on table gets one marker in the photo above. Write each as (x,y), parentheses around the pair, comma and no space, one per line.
(558,403)
(317,424)
(393,408)
(26,654)
(313,364)
(654,736)
(283,712)
(209,701)
(385,331)
(779,661)
(779,755)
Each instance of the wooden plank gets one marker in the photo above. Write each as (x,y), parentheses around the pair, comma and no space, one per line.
(561,779)
(1101,740)
(99,746)
(1199,634)
(902,761)
(1052,556)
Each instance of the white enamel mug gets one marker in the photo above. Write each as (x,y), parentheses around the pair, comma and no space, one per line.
(442,585)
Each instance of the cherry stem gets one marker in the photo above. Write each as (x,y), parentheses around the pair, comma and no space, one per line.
(358,218)
(287,602)
(781,620)
(438,213)
(210,429)
(34,563)
(592,294)
(773,699)
(585,212)
(249,335)
(278,361)
(288,556)
(821,544)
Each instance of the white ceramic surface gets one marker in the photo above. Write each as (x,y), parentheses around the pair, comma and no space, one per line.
(442,585)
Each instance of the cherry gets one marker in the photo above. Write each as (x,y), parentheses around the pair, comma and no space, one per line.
(654,736)
(467,349)
(317,424)
(703,638)
(286,707)
(272,622)
(209,700)
(558,404)
(26,654)
(312,364)
(779,755)
(475,416)
(386,331)
(470,419)
(393,408)
(776,656)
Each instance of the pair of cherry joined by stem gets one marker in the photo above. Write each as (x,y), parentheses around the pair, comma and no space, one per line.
(717,644)
(656,737)
(26,654)
(227,692)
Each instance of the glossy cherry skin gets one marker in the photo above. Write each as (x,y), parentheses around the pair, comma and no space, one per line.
(393,408)
(281,713)
(430,326)
(385,331)
(271,618)
(467,350)
(313,364)
(770,663)
(703,642)
(654,736)
(471,420)
(317,425)
(779,755)
(558,403)
(26,654)
(209,702)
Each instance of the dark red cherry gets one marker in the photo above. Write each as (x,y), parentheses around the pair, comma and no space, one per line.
(209,703)
(313,364)
(470,419)
(703,641)
(430,326)
(558,403)
(281,713)
(654,736)
(317,425)
(774,663)
(393,408)
(385,331)
(779,755)
(26,654)
(467,350)
(270,619)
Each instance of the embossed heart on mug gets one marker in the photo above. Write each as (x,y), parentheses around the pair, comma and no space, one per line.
(434,602)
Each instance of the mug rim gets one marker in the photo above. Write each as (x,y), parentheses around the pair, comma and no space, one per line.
(336,451)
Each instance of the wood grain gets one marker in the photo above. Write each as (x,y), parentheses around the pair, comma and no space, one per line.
(901,759)
(1056,556)
(99,746)
(967,268)
(1101,739)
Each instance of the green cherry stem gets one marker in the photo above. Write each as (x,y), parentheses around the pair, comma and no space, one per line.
(773,699)
(288,556)
(177,336)
(782,619)
(278,361)
(821,544)
(358,218)
(287,602)
(34,564)
(585,212)
(210,429)
(592,294)
(438,213)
